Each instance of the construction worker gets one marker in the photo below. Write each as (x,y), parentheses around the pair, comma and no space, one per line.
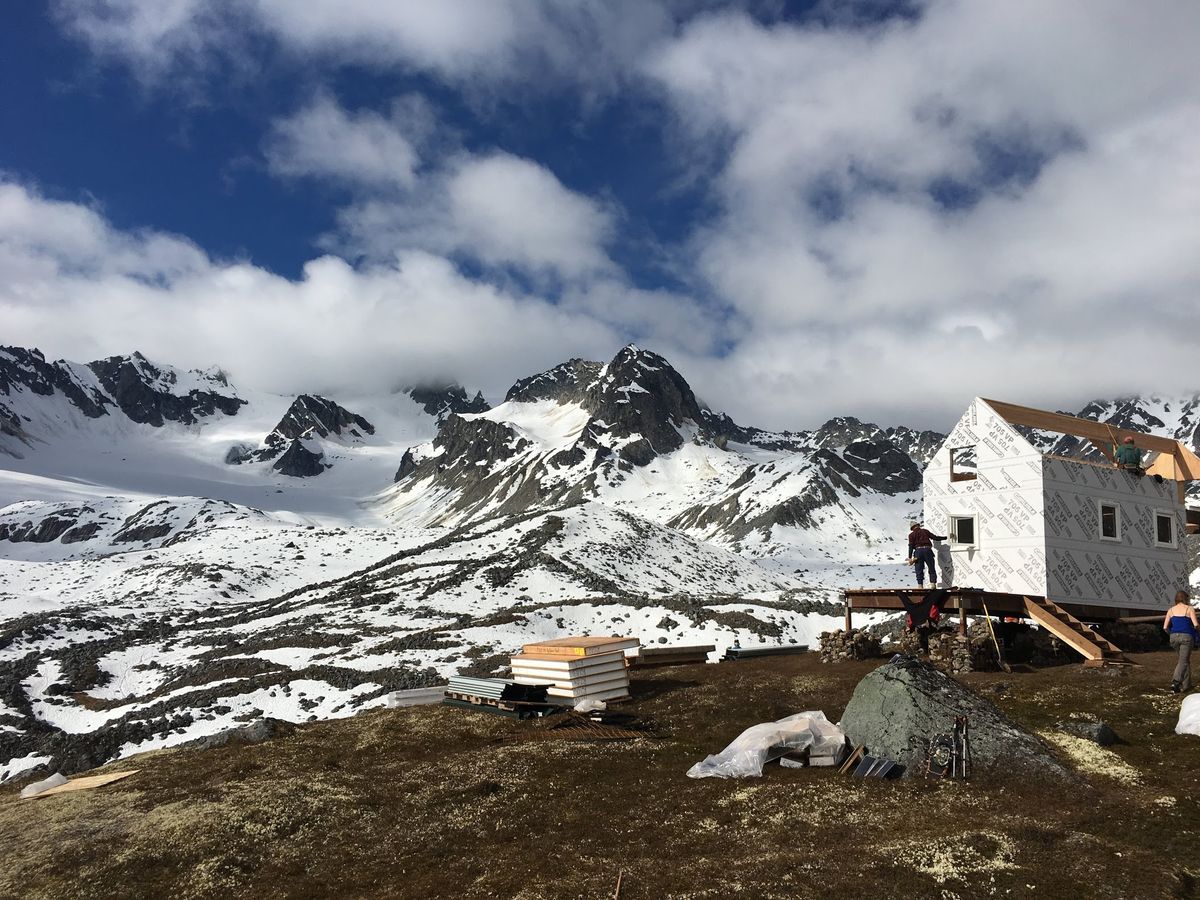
(920,551)
(1128,456)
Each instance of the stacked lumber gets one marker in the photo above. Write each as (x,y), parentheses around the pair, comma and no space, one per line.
(673,656)
(577,668)
(497,695)
(738,652)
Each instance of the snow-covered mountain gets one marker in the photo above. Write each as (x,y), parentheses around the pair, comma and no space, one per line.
(178,555)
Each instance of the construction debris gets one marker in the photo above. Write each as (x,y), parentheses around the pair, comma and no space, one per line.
(1189,716)
(596,726)
(498,696)
(840,646)
(87,782)
(739,652)
(757,745)
(878,767)
(673,656)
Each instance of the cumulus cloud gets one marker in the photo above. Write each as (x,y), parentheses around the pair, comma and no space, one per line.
(495,209)
(989,199)
(363,148)
(894,215)
(476,44)
(75,286)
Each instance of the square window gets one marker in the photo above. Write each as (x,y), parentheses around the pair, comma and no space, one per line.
(1164,529)
(964,464)
(962,529)
(1110,522)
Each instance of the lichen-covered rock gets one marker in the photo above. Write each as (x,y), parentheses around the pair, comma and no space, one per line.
(899,707)
(1098,732)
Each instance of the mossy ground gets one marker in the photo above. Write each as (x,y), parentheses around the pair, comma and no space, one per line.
(444,802)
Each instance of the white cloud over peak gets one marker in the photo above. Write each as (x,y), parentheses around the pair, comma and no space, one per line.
(75,286)
(891,217)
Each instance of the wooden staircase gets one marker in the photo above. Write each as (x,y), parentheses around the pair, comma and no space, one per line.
(1096,649)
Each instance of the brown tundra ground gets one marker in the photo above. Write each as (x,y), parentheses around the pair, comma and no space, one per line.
(442,802)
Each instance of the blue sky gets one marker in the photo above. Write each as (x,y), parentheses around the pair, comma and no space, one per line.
(876,209)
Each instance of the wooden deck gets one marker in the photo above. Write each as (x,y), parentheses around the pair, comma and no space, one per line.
(1064,621)
(971,601)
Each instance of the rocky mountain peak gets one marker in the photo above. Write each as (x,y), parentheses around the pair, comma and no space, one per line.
(300,460)
(441,401)
(310,414)
(28,370)
(567,382)
(152,394)
(639,399)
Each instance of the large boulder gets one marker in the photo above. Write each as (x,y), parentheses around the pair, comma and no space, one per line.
(900,706)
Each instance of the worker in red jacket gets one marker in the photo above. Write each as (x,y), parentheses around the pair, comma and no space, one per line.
(920,551)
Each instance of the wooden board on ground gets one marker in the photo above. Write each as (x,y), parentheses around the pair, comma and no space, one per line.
(580,646)
(85,783)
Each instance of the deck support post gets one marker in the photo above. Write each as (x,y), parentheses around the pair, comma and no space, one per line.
(848,607)
(962,619)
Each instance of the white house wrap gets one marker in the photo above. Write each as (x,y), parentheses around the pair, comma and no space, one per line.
(1075,531)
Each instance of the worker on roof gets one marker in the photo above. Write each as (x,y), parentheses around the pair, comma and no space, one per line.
(920,551)
(1128,456)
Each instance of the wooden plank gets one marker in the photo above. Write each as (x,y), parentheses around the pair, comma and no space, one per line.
(579,646)
(1084,428)
(87,782)
(1063,631)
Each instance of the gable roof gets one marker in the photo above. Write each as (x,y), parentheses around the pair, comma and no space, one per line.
(1175,460)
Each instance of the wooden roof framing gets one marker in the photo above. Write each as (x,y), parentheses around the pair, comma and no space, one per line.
(1174,461)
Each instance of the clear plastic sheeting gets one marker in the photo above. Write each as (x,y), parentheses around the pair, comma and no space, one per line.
(758,745)
(1189,716)
(32,790)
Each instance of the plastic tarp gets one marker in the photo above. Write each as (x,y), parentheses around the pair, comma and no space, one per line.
(759,744)
(1189,716)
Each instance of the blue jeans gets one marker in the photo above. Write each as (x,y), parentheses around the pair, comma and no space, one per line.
(924,558)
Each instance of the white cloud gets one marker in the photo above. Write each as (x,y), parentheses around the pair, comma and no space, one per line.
(1067,276)
(507,209)
(362,148)
(476,44)
(832,279)
(76,287)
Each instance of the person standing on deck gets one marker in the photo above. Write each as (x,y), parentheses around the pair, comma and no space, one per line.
(920,550)
(1180,624)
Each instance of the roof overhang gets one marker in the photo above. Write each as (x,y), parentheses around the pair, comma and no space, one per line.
(1174,461)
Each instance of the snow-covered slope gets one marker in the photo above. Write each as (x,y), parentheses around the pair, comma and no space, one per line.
(178,555)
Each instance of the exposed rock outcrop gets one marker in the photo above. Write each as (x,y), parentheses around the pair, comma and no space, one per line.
(440,401)
(147,393)
(299,461)
(899,707)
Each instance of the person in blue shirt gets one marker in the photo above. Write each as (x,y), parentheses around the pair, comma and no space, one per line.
(1180,624)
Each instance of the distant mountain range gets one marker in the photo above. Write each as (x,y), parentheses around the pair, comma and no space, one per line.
(179,555)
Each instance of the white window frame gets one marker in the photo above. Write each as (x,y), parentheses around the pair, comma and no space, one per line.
(952,531)
(1100,504)
(1166,514)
